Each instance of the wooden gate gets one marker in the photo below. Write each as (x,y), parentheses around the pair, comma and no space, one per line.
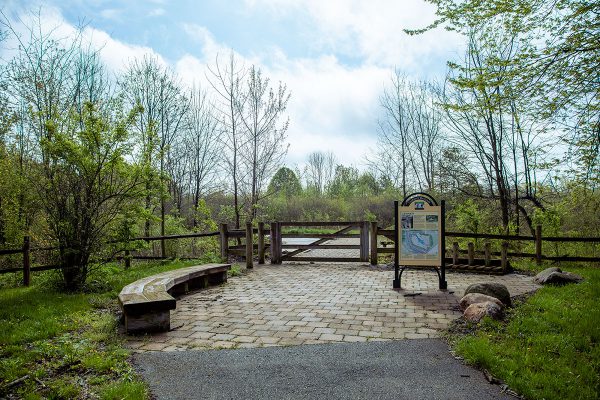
(321,241)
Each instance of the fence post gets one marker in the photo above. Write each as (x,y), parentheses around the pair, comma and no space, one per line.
(249,246)
(273,245)
(471,253)
(279,243)
(26,261)
(487,247)
(364,241)
(455,249)
(127,259)
(538,244)
(374,260)
(504,256)
(261,242)
(224,241)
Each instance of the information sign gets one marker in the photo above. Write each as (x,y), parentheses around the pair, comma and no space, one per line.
(420,236)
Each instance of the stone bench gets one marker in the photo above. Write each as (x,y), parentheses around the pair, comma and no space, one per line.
(147,302)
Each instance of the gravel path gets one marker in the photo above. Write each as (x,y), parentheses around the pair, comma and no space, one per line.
(406,369)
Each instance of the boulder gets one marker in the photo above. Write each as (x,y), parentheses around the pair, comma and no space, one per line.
(497,290)
(475,312)
(474,298)
(542,276)
(554,276)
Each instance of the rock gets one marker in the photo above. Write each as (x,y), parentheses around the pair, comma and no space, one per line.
(497,290)
(542,276)
(473,298)
(554,276)
(475,312)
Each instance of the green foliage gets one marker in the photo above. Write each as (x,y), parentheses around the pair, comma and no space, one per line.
(235,270)
(85,184)
(555,65)
(344,182)
(468,217)
(174,225)
(15,199)
(549,219)
(285,182)
(550,346)
(203,221)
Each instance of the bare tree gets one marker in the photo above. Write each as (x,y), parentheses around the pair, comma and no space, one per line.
(159,92)
(177,172)
(319,170)
(202,148)
(227,80)
(394,132)
(264,146)
(479,117)
(426,134)
(410,134)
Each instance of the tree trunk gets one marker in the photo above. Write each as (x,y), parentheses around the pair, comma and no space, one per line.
(2,228)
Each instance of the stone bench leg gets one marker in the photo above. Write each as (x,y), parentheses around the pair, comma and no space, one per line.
(158,321)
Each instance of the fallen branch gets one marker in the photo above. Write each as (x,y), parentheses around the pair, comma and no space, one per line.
(16,382)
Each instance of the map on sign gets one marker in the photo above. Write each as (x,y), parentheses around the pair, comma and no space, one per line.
(418,242)
(419,236)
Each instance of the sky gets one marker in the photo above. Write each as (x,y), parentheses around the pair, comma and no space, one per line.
(335,56)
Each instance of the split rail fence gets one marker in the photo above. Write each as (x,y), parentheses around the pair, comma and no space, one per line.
(370,247)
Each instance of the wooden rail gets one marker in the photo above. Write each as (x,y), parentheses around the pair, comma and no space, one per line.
(321,239)
(167,237)
(322,223)
(369,247)
(538,238)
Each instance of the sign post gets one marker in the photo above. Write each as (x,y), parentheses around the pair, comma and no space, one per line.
(420,236)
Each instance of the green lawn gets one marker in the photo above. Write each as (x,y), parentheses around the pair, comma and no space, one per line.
(67,343)
(549,348)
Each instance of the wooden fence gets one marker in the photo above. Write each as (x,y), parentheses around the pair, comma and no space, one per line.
(322,239)
(538,238)
(369,246)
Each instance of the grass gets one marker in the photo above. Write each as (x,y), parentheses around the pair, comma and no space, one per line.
(549,348)
(67,344)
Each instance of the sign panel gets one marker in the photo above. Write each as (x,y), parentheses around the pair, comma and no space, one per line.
(419,234)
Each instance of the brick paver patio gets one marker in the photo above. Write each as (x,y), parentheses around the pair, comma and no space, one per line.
(294,304)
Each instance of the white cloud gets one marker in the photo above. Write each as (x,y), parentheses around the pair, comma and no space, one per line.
(372,30)
(114,53)
(336,103)
(333,107)
(117,54)
(157,12)
(111,13)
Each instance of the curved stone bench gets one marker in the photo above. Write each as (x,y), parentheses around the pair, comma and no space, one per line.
(147,302)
